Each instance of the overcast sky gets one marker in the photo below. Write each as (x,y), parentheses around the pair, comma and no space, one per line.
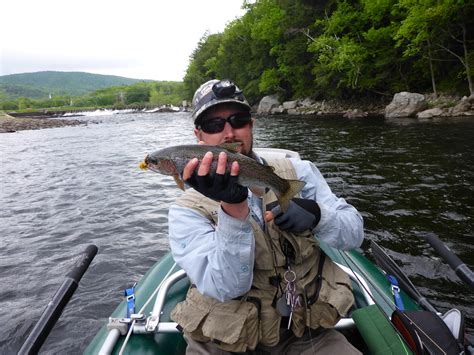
(144,39)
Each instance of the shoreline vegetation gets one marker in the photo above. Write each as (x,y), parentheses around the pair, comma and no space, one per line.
(440,106)
(354,58)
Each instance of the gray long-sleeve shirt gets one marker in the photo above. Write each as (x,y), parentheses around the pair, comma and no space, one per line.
(220,259)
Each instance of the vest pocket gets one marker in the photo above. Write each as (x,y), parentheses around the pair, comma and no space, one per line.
(322,315)
(232,325)
(335,298)
(190,315)
(270,320)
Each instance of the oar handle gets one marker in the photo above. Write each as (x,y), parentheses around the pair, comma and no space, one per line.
(56,306)
(461,269)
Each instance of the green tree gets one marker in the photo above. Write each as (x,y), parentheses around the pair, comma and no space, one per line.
(9,105)
(339,50)
(437,31)
(201,63)
(24,103)
(138,94)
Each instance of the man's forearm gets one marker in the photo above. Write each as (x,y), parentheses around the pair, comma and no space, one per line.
(236,210)
(341,228)
(219,260)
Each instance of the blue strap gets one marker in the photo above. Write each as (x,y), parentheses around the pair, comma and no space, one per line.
(396,292)
(130,295)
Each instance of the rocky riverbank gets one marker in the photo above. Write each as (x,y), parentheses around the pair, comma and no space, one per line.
(403,104)
(19,121)
(10,124)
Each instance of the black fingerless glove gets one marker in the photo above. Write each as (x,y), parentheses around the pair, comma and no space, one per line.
(219,187)
(302,214)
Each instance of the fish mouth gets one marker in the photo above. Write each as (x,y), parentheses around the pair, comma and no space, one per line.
(152,167)
(147,164)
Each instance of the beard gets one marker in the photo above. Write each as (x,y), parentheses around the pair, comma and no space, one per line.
(245,150)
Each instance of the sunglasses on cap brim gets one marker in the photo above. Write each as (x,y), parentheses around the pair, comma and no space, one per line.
(217,124)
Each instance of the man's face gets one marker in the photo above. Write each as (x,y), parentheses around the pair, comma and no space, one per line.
(229,134)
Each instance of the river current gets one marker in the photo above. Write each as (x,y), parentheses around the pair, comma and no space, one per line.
(62,189)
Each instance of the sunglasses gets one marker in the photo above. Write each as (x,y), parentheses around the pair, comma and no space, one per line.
(217,124)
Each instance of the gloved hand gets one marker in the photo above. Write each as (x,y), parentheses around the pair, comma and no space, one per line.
(219,187)
(302,214)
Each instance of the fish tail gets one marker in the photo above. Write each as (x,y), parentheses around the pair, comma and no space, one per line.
(284,198)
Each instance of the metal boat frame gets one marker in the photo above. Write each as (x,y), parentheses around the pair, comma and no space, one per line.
(147,325)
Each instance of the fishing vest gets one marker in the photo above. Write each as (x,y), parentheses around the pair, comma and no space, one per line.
(240,324)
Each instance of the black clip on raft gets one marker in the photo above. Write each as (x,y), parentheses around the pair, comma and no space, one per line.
(55,307)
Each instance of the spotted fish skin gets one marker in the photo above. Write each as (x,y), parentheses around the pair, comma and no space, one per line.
(252,174)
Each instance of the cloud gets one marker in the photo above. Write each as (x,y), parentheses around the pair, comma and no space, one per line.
(64,61)
(149,39)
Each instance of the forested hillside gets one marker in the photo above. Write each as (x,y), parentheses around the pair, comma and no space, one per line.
(70,90)
(141,94)
(341,49)
(40,85)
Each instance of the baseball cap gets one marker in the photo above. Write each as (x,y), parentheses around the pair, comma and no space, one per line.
(215,92)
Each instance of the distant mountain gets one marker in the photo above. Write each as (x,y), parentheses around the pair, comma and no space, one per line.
(40,84)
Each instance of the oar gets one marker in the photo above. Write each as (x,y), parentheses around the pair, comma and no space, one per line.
(461,269)
(55,307)
(387,264)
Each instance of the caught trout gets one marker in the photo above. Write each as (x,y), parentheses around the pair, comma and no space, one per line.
(252,174)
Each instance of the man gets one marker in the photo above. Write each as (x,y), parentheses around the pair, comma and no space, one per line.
(259,280)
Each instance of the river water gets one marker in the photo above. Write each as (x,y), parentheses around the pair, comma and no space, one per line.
(65,188)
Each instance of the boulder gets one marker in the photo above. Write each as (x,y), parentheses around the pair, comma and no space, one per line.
(307,102)
(432,112)
(356,113)
(267,104)
(290,105)
(293,112)
(405,104)
(277,110)
(465,105)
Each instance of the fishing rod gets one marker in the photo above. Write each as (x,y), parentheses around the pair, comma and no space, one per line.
(57,304)
(347,257)
(413,341)
(387,264)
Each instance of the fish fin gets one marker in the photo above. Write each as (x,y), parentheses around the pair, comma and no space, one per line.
(231,147)
(257,190)
(284,198)
(178,181)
